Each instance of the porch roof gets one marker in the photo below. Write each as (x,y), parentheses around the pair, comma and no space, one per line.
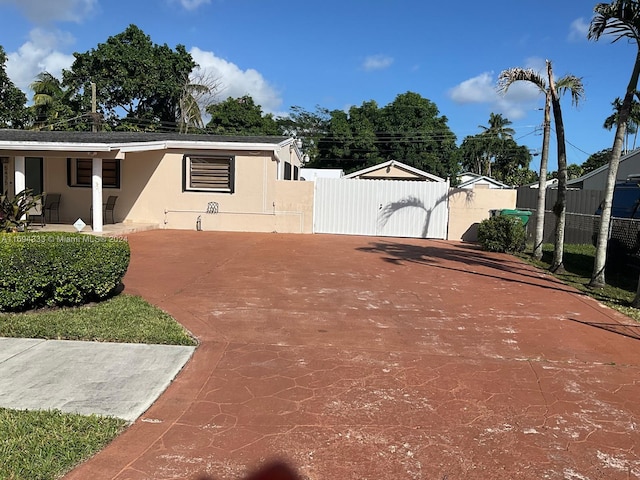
(33,140)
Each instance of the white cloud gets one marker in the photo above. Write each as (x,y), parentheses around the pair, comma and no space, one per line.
(40,53)
(40,11)
(236,82)
(479,89)
(520,99)
(578,30)
(377,62)
(193,4)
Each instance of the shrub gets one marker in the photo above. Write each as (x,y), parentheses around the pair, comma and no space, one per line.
(58,269)
(502,234)
(13,211)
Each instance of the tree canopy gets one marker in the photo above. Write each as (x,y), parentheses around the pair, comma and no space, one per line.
(495,153)
(132,75)
(240,116)
(13,112)
(409,129)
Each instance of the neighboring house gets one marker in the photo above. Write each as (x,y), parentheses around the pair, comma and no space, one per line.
(551,183)
(474,180)
(312,174)
(394,170)
(597,179)
(168,179)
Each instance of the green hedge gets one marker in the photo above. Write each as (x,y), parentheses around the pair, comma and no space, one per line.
(502,233)
(59,269)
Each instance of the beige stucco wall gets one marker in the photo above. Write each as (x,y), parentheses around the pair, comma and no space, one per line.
(467,208)
(256,204)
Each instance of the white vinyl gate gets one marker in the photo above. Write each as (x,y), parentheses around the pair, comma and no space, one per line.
(387,208)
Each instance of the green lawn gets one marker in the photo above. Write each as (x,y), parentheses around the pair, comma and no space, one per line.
(45,445)
(578,262)
(124,318)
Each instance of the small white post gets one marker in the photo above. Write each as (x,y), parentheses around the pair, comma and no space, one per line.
(96,194)
(19,175)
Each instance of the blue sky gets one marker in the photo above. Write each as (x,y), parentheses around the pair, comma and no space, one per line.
(336,54)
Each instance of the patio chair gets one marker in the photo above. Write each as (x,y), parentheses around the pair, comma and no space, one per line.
(108,207)
(51,204)
(36,211)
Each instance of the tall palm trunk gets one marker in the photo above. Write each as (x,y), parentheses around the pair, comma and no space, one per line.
(598,276)
(560,208)
(542,185)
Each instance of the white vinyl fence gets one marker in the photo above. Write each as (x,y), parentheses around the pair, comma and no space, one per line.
(387,208)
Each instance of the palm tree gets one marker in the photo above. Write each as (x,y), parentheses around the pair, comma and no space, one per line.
(51,102)
(560,208)
(543,82)
(621,20)
(632,123)
(198,91)
(495,134)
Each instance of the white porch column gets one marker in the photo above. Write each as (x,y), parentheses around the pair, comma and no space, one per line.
(19,180)
(96,194)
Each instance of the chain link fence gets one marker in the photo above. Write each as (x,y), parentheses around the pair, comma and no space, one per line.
(624,233)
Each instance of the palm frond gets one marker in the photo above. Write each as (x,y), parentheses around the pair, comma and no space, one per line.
(572,84)
(620,19)
(516,74)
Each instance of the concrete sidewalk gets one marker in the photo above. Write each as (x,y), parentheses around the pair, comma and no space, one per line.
(111,379)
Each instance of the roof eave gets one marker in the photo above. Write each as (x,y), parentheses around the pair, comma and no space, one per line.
(55,146)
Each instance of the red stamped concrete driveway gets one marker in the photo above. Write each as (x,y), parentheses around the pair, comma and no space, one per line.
(368,358)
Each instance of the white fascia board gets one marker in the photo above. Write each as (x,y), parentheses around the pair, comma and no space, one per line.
(268,147)
(140,146)
(55,147)
(180,145)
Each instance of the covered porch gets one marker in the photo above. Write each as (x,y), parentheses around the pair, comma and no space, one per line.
(75,178)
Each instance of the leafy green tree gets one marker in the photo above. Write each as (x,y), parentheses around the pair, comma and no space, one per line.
(13,111)
(240,116)
(511,162)
(618,20)
(574,171)
(308,127)
(596,160)
(133,75)
(409,129)
(350,141)
(495,153)
(472,153)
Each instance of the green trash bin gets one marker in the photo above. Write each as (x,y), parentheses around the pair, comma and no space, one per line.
(523,215)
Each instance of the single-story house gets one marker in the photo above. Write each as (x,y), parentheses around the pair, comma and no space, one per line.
(474,180)
(394,170)
(597,179)
(180,181)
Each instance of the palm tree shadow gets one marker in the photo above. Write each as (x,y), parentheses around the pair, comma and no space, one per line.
(468,259)
(411,201)
(629,331)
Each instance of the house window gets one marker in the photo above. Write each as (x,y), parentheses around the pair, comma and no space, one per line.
(287,171)
(209,174)
(80,170)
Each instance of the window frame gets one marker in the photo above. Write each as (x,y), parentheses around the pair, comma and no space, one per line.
(187,180)
(73,165)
